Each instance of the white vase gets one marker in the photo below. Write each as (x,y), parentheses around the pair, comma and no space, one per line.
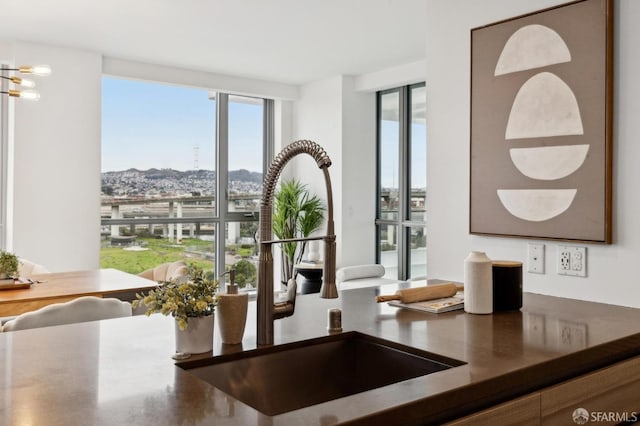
(314,252)
(478,283)
(197,337)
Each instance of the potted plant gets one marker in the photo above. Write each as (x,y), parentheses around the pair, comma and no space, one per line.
(191,300)
(296,214)
(8,264)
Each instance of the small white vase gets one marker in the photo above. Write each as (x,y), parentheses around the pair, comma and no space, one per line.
(478,284)
(197,337)
(314,252)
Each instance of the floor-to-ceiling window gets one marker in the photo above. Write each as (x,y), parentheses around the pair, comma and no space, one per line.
(181,176)
(402,182)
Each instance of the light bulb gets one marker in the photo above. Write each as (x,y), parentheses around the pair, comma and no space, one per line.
(23,82)
(28,83)
(31,95)
(41,70)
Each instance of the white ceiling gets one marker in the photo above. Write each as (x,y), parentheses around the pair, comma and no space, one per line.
(288,41)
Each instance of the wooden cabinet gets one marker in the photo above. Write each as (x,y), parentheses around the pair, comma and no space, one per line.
(606,394)
(524,411)
(609,396)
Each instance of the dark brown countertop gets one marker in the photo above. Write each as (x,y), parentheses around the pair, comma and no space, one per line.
(119,371)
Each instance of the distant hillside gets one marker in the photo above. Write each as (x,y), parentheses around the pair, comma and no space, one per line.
(154,182)
(241,175)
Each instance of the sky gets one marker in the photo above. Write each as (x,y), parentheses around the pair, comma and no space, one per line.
(389,155)
(150,125)
(147,125)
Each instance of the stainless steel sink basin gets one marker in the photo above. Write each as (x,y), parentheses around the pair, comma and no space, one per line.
(278,379)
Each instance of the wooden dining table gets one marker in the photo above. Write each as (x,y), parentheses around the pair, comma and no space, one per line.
(59,287)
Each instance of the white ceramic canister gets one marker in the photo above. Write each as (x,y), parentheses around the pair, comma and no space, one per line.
(478,283)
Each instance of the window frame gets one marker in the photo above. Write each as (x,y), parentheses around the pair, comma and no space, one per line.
(403,223)
(224,216)
(221,216)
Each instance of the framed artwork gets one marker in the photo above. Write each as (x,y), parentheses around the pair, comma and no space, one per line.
(541,124)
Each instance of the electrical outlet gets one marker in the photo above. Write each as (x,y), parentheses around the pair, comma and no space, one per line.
(564,261)
(535,258)
(572,260)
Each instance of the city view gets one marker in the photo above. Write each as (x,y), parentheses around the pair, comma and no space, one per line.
(158,198)
(156,194)
(159,179)
(149,196)
(152,183)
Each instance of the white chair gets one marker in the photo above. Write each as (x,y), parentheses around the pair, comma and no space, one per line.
(170,271)
(350,277)
(26,268)
(166,271)
(82,309)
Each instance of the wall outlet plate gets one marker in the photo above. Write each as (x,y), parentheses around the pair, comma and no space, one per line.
(535,258)
(572,260)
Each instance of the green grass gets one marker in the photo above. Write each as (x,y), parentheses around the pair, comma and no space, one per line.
(159,251)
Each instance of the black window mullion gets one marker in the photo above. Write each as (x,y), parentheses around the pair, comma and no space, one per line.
(403,176)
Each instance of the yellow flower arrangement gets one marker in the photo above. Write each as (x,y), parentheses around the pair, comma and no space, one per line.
(183,299)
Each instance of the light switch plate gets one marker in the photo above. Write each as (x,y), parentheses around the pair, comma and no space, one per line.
(535,258)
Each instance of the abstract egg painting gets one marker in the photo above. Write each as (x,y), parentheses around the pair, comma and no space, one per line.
(541,96)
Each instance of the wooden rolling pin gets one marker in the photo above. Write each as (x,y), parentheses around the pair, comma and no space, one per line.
(418,294)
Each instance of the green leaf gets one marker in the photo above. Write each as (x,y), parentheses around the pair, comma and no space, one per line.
(296,214)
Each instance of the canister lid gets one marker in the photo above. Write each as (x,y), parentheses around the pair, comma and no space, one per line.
(506,263)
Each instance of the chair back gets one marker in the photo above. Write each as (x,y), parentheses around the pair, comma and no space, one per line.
(26,268)
(348,273)
(166,271)
(82,309)
(369,275)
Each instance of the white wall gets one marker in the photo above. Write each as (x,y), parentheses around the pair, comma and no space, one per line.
(389,78)
(211,81)
(332,113)
(317,116)
(358,202)
(56,202)
(612,269)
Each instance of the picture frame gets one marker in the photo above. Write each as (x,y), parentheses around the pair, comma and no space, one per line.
(541,124)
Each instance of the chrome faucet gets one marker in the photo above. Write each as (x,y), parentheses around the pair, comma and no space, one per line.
(267,310)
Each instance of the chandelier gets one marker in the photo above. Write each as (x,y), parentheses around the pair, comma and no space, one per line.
(38,70)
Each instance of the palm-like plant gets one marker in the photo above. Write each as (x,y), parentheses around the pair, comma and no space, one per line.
(296,214)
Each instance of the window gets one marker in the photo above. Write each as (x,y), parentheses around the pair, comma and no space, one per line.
(181,176)
(402,182)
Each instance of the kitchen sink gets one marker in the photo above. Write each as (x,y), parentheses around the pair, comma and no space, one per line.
(282,378)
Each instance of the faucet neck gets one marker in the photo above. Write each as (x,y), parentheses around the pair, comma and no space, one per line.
(265,304)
